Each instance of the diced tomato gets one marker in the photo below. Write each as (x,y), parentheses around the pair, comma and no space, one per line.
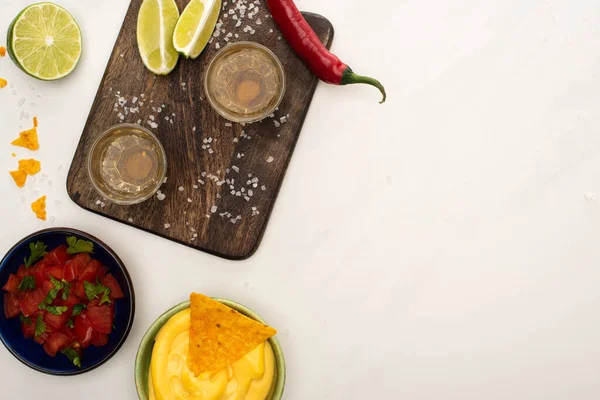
(37,271)
(70,301)
(83,330)
(99,339)
(12,306)
(28,328)
(69,271)
(56,321)
(80,261)
(101,317)
(31,300)
(22,271)
(41,339)
(79,291)
(55,271)
(12,285)
(47,286)
(57,256)
(56,342)
(92,271)
(115,289)
(69,332)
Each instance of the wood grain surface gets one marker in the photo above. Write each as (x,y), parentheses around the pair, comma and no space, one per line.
(223,178)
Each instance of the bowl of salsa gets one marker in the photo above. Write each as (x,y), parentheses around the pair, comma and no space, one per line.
(66,301)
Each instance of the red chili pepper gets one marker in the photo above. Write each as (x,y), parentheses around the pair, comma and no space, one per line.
(305,42)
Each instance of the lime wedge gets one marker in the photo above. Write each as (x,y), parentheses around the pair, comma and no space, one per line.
(195,26)
(45,41)
(155,26)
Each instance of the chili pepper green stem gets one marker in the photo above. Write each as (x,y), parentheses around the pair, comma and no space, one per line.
(349,78)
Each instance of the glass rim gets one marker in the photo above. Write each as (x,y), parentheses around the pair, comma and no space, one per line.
(109,196)
(278,66)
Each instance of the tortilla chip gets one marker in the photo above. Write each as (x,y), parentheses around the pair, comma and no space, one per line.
(30,167)
(3,83)
(28,139)
(220,335)
(39,208)
(20,177)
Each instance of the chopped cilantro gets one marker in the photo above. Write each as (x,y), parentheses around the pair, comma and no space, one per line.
(79,245)
(53,293)
(70,323)
(28,282)
(38,250)
(105,298)
(56,310)
(66,290)
(40,326)
(73,356)
(24,319)
(96,291)
(78,308)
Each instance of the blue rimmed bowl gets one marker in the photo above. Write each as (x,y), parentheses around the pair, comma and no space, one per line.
(32,354)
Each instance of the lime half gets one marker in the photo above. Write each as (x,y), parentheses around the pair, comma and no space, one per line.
(195,27)
(45,41)
(155,26)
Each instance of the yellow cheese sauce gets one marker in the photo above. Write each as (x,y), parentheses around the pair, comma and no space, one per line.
(169,378)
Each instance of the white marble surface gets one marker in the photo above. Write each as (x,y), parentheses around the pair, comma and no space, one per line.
(444,245)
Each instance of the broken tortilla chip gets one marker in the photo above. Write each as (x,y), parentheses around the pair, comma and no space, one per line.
(20,177)
(220,335)
(3,83)
(39,208)
(28,138)
(30,167)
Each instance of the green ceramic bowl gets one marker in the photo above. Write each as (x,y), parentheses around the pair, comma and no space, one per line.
(144,354)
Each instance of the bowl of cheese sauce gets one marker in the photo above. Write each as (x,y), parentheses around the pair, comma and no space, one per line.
(162,371)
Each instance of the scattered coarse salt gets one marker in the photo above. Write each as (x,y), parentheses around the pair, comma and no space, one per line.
(213,209)
(130,220)
(167,226)
(195,186)
(263,187)
(236,169)
(228,124)
(160,195)
(181,188)
(189,200)
(270,159)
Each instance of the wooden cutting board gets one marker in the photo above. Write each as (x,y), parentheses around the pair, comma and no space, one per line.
(223,178)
